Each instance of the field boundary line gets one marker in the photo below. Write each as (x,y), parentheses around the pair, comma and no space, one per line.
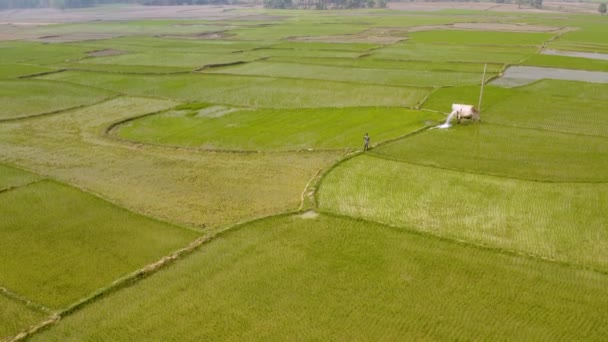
(426,98)
(147,73)
(308,190)
(30,304)
(541,129)
(471,244)
(60,111)
(24,77)
(110,133)
(352,155)
(83,85)
(532,180)
(401,86)
(313,184)
(15,187)
(239,75)
(120,206)
(116,204)
(134,277)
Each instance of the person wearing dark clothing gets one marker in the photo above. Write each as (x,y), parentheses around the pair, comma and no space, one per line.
(366,139)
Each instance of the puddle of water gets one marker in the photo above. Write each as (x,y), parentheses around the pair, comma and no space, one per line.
(522,75)
(215,111)
(590,55)
(309,215)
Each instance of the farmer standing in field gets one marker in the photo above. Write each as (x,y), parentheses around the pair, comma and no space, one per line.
(366,139)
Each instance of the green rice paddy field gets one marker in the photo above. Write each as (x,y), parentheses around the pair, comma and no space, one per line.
(204,179)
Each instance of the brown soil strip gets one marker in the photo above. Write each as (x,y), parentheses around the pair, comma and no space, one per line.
(219,65)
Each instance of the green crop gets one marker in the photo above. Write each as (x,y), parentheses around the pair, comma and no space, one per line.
(507,151)
(330,278)
(225,128)
(22,98)
(562,222)
(58,244)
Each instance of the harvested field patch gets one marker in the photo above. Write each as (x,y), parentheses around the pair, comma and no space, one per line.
(207,190)
(263,129)
(74,243)
(565,222)
(286,278)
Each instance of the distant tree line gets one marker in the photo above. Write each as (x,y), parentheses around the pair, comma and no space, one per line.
(522,3)
(13,4)
(325,4)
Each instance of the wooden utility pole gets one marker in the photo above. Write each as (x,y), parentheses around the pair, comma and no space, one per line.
(483,80)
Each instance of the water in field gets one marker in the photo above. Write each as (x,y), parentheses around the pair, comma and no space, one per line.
(447,124)
(590,55)
(521,75)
